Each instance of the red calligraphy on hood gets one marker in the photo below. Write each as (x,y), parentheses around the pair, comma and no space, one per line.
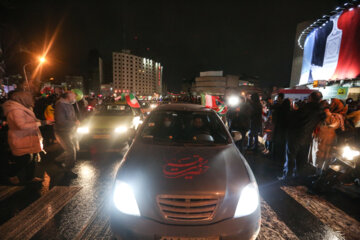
(185,167)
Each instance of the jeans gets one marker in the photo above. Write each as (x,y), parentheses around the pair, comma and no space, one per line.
(253,140)
(268,145)
(290,159)
(295,157)
(69,143)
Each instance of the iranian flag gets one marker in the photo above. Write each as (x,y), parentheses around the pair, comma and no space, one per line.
(131,100)
(214,103)
(208,101)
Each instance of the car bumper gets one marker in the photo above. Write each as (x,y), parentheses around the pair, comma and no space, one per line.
(131,227)
(98,138)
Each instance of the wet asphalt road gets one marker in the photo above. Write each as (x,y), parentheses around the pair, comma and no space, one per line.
(78,209)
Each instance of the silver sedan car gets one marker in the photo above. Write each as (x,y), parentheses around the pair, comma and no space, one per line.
(183,178)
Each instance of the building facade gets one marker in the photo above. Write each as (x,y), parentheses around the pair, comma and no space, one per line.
(213,82)
(297,55)
(135,74)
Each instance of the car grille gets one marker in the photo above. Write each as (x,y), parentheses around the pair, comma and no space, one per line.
(101,130)
(188,207)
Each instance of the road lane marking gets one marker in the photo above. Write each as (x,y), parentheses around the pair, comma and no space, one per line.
(7,191)
(30,220)
(272,227)
(98,226)
(326,212)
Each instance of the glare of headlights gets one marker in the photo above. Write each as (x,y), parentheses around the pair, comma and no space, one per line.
(137,121)
(248,201)
(233,101)
(153,106)
(124,199)
(83,130)
(349,153)
(121,129)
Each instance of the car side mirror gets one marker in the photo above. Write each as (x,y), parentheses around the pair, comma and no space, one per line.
(204,138)
(236,136)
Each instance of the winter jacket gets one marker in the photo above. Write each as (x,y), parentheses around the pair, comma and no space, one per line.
(24,136)
(324,139)
(240,121)
(303,122)
(256,117)
(65,117)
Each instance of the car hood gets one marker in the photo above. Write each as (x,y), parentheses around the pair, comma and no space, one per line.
(108,121)
(154,170)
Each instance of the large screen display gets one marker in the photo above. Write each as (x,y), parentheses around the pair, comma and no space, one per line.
(332,51)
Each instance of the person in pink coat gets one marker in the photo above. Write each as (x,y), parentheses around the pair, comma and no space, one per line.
(24,136)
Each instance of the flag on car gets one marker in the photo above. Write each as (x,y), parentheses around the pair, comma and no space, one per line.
(215,103)
(131,100)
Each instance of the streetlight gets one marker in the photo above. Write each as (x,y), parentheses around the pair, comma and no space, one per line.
(41,61)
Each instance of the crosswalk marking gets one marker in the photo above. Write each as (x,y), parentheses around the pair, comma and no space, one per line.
(325,212)
(34,217)
(98,227)
(272,227)
(30,220)
(7,191)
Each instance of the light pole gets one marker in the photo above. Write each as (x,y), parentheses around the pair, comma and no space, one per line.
(25,75)
(41,61)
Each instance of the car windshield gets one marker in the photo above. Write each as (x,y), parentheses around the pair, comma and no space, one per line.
(185,127)
(114,110)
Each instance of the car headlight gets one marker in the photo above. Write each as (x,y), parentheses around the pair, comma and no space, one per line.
(137,121)
(233,101)
(349,153)
(152,106)
(248,201)
(83,130)
(121,129)
(124,199)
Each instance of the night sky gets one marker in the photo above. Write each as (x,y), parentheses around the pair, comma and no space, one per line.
(240,37)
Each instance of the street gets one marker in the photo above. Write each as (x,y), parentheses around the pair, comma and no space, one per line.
(78,209)
(180,120)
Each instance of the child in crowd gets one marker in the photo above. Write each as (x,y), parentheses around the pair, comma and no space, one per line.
(268,131)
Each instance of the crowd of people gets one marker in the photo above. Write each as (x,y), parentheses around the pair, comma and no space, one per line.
(295,133)
(29,124)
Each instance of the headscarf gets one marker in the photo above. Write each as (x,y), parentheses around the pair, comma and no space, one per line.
(338,107)
(24,98)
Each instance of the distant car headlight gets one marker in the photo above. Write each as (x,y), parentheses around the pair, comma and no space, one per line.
(137,121)
(124,199)
(152,106)
(122,129)
(233,101)
(349,153)
(83,130)
(248,201)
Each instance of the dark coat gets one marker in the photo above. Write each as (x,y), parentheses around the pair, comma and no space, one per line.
(280,119)
(303,122)
(240,121)
(65,117)
(256,117)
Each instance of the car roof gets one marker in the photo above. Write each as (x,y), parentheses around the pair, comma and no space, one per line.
(182,107)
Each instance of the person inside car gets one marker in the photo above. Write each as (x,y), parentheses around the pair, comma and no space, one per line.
(166,130)
(198,127)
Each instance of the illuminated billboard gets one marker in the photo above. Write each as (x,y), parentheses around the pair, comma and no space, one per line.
(332,51)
